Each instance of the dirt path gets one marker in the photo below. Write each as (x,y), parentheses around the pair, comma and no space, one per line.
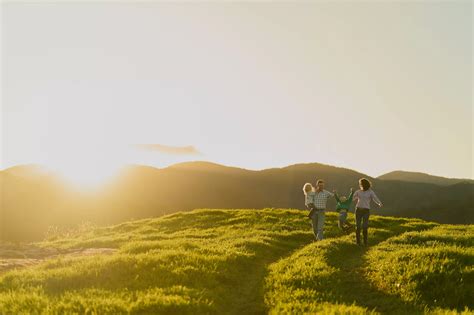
(14,256)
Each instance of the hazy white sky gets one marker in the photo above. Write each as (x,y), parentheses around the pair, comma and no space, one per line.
(373,86)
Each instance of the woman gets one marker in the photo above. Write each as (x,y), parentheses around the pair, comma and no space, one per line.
(363,197)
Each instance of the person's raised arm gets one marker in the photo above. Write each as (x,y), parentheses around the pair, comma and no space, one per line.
(351,195)
(336,196)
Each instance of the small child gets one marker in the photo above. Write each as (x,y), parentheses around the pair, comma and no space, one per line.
(342,206)
(309,196)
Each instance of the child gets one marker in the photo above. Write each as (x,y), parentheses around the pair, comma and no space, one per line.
(309,195)
(342,206)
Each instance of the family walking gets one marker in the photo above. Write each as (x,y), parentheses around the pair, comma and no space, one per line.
(316,199)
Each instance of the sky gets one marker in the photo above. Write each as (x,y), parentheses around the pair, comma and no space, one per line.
(372,86)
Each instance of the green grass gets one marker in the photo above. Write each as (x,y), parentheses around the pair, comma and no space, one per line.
(434,267)
(204,261)
(233,262)
(329,277)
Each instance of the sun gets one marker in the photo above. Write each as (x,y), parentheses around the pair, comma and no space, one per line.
(86,164)
(86,174)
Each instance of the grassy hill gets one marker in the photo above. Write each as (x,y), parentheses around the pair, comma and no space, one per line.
(248,262)
(31,201)
(418,177)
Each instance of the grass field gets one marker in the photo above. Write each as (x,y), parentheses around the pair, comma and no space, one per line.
(249,262)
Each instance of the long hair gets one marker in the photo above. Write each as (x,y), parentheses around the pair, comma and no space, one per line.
(365,183)
(307,188)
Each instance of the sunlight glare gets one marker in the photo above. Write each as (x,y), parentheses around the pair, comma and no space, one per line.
(87,175)
(88,168)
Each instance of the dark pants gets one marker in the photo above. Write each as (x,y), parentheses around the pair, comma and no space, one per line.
(362,223)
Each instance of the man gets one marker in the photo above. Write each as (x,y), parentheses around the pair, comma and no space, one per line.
(320,201)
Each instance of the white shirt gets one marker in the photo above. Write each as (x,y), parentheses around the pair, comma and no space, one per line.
(309,198)
(364,197)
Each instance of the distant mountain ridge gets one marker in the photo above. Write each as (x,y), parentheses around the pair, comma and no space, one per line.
(32,201)
(418,177)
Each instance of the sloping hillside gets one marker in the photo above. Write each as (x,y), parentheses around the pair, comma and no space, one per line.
(247,262)
(418,177)
(31,204)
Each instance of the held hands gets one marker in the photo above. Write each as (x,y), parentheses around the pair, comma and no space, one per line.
(352,189)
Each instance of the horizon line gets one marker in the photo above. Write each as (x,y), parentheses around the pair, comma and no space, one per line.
(250,169)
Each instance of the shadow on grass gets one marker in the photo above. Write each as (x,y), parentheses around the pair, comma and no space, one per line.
(248,297)
(349,283)
(231,278)
(250,290)
(353,288)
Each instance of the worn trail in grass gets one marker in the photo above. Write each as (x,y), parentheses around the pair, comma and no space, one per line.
(234,262)
(205,261)
(353,286)
(329,277)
